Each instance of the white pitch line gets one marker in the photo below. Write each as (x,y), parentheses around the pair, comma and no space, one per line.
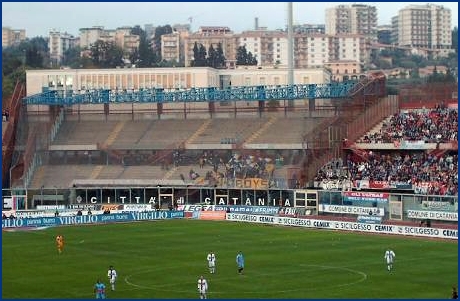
(162,287)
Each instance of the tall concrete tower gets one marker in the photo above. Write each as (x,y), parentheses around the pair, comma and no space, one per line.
(290,46)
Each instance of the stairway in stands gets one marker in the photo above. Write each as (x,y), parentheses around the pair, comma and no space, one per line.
(198,132)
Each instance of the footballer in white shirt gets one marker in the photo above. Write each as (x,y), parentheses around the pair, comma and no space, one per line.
(202,287)
(389,257)
(211,262)
(112,275)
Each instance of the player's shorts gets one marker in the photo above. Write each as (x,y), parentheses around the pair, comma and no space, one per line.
(212,264)
(112,280)
(100,296)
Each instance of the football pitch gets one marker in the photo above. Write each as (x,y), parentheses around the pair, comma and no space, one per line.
(164,259)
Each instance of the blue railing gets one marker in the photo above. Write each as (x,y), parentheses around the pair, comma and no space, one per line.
(210,94)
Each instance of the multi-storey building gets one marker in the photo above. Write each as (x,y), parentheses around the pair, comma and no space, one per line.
(425,26)
(184,31)
(269,47)
(352,19)
(350,47)
(12,37)
(89,35)
(207,36)
(121,36)
(58,44)
(312,50)
(125,40)
(170,47)
(394,30)
(317,50)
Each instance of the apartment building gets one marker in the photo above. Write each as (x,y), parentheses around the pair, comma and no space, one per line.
(89,35)
(121,36)
(170,47)
(350,47)
(425,26)
(269,47)
(125,40)
(352,19)
(312,50)
(12,37)
(207,36)
(58,44)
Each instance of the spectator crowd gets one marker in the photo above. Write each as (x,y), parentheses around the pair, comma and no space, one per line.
(427,171)
(439,125)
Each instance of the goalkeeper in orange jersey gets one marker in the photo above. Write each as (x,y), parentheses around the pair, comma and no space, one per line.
(60,243)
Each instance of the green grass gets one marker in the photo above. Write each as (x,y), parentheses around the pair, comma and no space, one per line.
(164,259)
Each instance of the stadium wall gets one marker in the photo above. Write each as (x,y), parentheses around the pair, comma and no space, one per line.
(355,205)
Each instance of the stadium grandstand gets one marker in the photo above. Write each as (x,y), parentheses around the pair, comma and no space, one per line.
(76,136)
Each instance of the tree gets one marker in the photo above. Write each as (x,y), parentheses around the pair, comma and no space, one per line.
(211,61)
(144,56)
(106,54)
(199,55)
(437,77)
(36,51)
(31,53)
(72,57)
(244,58)
(251,60)
(220,58)
(455,39)
(241,55)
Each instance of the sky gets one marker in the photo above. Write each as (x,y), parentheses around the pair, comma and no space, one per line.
(38,18)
